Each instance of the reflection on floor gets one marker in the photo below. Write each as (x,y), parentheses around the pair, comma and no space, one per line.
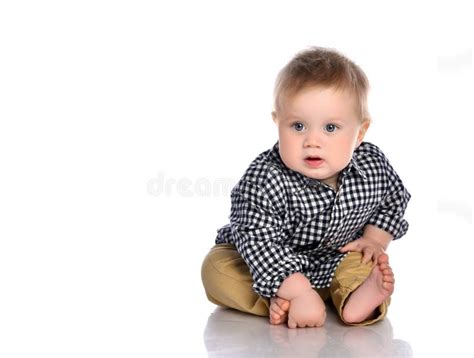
(230,333)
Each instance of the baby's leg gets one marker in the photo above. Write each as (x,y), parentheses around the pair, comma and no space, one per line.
(228,283)
(363,302)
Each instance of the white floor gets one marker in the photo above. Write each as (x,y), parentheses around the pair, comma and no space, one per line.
(233,334)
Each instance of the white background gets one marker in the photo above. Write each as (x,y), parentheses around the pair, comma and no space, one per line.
(119,119)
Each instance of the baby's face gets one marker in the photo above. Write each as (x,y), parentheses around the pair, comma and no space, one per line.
(318,131)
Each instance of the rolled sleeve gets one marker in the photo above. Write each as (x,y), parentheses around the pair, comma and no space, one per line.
(389,216)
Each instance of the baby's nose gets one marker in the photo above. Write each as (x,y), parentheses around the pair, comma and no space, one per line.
(313,139)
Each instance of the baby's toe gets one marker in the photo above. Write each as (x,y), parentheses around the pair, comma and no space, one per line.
(292,324)
(382,259)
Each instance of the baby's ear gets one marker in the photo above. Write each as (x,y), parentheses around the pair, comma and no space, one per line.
(274,116)
(362,130)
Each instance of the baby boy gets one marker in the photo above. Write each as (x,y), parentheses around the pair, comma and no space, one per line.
(311,218)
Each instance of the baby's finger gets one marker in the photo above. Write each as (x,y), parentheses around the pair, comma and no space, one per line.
(368,254)
(376,255)
(275,308)
(352,246)
(275,315)
(282,303)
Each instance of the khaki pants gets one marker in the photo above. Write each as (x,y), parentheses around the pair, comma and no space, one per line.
(228,283)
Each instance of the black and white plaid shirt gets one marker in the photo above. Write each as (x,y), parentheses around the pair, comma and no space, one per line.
(283,222)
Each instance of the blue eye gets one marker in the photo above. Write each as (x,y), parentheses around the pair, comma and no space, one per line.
(298,126)
(330,128)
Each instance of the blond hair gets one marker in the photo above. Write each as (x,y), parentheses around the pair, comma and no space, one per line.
(322,67)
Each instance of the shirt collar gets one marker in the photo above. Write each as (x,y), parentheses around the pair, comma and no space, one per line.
(353,166)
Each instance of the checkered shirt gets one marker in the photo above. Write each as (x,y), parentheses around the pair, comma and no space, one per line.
(283,222)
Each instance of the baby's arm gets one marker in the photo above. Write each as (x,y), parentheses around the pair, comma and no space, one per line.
(372,244)
(258,233)
(307,309)
(387,222)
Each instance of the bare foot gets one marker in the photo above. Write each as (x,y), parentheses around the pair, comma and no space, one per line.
(372,293)
(279,310)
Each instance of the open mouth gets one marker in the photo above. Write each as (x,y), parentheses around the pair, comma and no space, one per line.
(313,161)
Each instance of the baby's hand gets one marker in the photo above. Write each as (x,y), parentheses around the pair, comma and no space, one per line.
(307,310)
(370,248)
